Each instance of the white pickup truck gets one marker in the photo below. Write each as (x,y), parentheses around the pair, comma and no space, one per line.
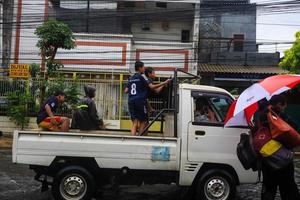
(197,154)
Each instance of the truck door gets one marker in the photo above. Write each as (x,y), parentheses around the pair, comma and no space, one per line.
(208,140)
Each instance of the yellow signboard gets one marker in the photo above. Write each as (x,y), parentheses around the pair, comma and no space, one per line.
(18,70)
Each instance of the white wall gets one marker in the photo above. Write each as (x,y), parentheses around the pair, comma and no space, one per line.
(32,15)
(164,56)
(98,52)
(176,23)
(157,33)
(82,4)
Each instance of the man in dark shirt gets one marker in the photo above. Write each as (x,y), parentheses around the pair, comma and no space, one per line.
(279,103)
(283,178)
(86,116)
(46,118)
(138,89)
(150,74)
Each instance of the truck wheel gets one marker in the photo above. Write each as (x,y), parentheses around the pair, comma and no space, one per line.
(73,183)
(216,184)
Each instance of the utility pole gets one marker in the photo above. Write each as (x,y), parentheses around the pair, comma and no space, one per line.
(88,16)
(1,32)
(196,37)
(7,22)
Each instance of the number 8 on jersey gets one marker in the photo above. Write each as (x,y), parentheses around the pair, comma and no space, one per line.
(133,89)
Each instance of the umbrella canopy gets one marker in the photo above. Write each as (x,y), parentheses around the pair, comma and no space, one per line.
(242,110)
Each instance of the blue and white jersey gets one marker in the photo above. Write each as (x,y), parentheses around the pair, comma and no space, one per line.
(138,87)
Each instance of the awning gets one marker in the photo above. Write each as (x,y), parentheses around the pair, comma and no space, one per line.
(239,69)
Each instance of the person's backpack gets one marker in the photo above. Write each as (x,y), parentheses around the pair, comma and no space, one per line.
(246,153)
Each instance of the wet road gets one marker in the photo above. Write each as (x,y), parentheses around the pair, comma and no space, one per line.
(17,183)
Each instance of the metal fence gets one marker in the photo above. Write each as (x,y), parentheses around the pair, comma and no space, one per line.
(111,101)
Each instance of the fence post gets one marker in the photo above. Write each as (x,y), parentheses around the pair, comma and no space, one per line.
(120,98)
(27,93)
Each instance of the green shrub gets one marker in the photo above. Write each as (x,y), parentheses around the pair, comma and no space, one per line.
(17,107)
(34,69)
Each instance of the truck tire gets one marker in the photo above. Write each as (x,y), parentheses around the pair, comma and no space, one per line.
(216,184)
(73,183)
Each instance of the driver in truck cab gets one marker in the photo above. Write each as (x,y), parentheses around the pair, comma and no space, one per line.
(138,89)
(47,120)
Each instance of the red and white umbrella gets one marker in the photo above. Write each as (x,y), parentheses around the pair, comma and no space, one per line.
(242,109)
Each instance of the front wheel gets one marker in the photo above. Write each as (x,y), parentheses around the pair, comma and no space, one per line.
(73,183)
(216,184)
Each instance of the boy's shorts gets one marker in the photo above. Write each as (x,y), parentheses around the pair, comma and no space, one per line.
(47,125)
(138,110)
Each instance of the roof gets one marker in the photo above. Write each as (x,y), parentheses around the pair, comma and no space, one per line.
(239,69)
(224,4)
(203,88)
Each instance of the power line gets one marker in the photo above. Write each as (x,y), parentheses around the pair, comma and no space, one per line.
(289,4)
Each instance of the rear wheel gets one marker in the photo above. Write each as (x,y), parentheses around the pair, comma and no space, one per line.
(216,184)
(73,183)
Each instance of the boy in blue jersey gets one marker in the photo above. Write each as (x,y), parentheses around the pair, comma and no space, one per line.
(47,120)
(138,89)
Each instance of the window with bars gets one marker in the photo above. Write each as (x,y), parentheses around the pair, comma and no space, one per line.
(161,5)
(185,36)
(238,42)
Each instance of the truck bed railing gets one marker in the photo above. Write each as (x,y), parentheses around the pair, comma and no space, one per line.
(172,107)
(160,114)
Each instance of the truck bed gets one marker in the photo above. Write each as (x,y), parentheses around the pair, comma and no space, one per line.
(108,148)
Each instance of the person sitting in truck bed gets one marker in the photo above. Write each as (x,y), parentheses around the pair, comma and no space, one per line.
(137,88)
(86,116)
(46,118)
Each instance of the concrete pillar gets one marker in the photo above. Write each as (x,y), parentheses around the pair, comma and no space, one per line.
(195,37)
(8,9)
(1,32)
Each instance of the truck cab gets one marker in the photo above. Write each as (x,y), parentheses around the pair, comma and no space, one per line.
(194,151)
(207,144)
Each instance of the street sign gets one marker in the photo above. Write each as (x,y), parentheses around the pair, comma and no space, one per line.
(18,70)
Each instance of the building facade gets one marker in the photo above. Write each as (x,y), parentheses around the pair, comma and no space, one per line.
(228,52)
(111,35)
(227,26)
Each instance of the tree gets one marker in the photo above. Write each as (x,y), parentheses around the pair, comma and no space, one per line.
(34,69)
(52,35)
(291,60)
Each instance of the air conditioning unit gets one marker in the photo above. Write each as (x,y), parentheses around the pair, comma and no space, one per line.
(146,26)
(140,4)
(165,25)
